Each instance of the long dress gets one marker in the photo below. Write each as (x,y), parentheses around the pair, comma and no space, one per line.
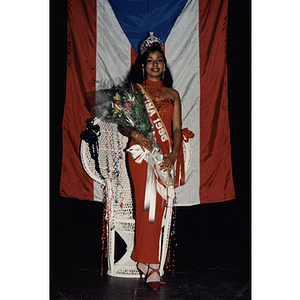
(146,249)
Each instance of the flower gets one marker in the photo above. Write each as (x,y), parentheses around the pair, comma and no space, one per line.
(114,111)
(127,105)
(117,97)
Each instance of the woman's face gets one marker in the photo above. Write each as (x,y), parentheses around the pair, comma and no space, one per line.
(154,66)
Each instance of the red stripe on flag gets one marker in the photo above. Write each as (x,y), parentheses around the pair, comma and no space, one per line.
(133,56)
(216,182)
(81,79)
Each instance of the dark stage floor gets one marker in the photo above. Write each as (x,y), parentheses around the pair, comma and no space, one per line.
(205,284)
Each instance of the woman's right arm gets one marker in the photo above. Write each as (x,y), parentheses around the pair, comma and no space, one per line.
(138,137)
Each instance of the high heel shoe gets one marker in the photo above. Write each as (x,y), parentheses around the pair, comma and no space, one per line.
(154,285)
(142,268)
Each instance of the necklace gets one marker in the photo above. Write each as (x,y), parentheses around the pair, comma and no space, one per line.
(154,88)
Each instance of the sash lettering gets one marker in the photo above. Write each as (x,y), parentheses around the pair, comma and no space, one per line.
(156,121)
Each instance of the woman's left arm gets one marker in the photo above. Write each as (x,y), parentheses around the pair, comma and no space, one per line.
(170,158)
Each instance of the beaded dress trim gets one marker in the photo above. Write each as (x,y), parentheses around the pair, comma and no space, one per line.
(155,89)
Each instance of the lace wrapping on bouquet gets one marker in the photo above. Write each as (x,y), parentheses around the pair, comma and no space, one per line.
(157,180)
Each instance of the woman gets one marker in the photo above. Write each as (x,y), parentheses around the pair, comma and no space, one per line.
(152,73)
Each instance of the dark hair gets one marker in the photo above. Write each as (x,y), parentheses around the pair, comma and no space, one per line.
(136,74)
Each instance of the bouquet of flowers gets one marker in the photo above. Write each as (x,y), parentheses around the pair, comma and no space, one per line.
(126,107)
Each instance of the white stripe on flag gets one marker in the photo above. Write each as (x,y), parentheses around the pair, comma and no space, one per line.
(113,48)
(113,57)
(182,53)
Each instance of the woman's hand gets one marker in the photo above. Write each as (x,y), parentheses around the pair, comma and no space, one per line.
(169,161)
(141,140)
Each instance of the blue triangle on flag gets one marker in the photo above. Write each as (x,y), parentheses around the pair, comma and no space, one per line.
(138,17)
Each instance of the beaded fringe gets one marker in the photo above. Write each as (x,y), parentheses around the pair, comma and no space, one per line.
(104,237)
(170,260)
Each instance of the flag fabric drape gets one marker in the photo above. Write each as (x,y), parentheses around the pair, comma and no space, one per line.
(103,38)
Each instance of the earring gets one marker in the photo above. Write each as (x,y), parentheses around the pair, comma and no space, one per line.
(163,73)
(143,70)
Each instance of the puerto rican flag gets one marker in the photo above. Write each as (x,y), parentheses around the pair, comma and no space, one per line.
(103,37)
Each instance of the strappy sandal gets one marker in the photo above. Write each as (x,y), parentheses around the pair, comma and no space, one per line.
(154,285)
(138,266)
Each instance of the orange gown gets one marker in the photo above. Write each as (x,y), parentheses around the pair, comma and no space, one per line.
(146,248)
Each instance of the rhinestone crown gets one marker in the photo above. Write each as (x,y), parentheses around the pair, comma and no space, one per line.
(148,42)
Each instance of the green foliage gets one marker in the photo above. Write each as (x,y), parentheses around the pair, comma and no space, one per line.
(128,108)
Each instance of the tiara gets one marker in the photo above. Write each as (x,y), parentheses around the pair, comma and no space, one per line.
(149,42)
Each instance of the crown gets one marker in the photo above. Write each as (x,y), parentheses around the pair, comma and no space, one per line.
(148,42)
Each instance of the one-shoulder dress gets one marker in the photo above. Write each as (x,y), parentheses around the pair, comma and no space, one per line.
(146,248)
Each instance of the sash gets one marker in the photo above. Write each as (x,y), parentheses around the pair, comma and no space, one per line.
(180,166)
(157,179)
(160,133)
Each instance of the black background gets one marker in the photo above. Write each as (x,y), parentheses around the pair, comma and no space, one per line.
(208,235)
